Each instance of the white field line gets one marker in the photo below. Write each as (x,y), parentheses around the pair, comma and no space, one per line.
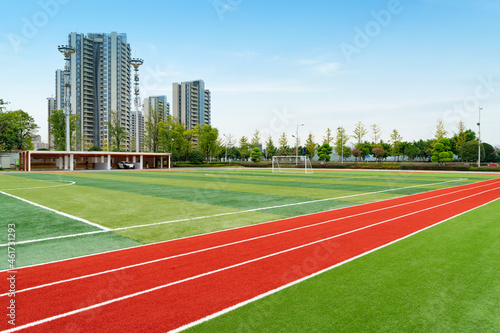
(55,211)
(239,305)
(33,188)
(42,321)
(239,242)
(228,213)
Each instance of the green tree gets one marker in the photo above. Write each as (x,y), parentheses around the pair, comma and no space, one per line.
(359,132)
(442,151)
(310,146)
(469,151)
(244,148)
(17,129)
(283,145)
(376,133)
(2,105)
(379,153)
(341,141)
(255,139)
(255,155)
(412,151)
(397,147)
(440,131)
(328,138)
(152,130)
(270,148)
(117,134)
(174,135)
(490,154)
(207,139)
(196,157)
(324,152)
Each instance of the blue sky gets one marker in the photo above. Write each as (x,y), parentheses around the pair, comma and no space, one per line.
(274,64)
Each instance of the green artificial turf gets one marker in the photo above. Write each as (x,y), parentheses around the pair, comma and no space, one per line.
(443,279)
(177,203)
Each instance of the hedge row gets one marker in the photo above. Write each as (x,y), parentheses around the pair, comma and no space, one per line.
(350,165)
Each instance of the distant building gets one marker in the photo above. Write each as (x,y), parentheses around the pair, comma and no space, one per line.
(51,106)
(156,106)
(100,83)
(37,142)
(191,103)
(141,129)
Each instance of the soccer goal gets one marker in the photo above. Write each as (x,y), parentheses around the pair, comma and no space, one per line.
(292,163)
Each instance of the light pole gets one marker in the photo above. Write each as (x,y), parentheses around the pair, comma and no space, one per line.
(172,146)
(67,51)
(479,140)
(136,62)
(297,145)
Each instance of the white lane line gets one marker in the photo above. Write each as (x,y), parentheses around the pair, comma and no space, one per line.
(54,211)
(242,241)
(139,293)
(239,305)
(232,213)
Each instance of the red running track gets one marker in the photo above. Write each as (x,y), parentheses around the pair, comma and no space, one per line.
(163,286)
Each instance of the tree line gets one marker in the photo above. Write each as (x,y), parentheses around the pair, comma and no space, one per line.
(204,142)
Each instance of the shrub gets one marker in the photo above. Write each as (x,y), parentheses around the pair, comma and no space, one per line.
(196,157)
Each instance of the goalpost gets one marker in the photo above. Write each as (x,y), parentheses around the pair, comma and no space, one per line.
(282,163)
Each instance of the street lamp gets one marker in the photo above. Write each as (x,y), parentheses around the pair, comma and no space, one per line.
(172,146)
(479,140)
(297,145)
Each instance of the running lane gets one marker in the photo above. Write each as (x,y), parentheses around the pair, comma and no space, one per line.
(195,277)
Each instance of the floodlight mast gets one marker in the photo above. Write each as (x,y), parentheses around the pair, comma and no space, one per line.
(136,62)
(67,51)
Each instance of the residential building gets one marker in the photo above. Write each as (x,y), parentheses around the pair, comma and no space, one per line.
(141,129)
(38,144)
(156,107)
(51,106)
(100,85)
(191,103)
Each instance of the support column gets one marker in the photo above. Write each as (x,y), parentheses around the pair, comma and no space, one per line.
(71,162)
(141,161)
(170,161)
(28,157)
(108,165)
(161,162)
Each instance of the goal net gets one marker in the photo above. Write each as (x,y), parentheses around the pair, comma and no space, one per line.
(292,163)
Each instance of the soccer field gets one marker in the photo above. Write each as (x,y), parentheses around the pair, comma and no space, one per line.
(438,279)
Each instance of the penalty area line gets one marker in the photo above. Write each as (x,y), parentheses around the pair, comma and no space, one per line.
(55,211)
